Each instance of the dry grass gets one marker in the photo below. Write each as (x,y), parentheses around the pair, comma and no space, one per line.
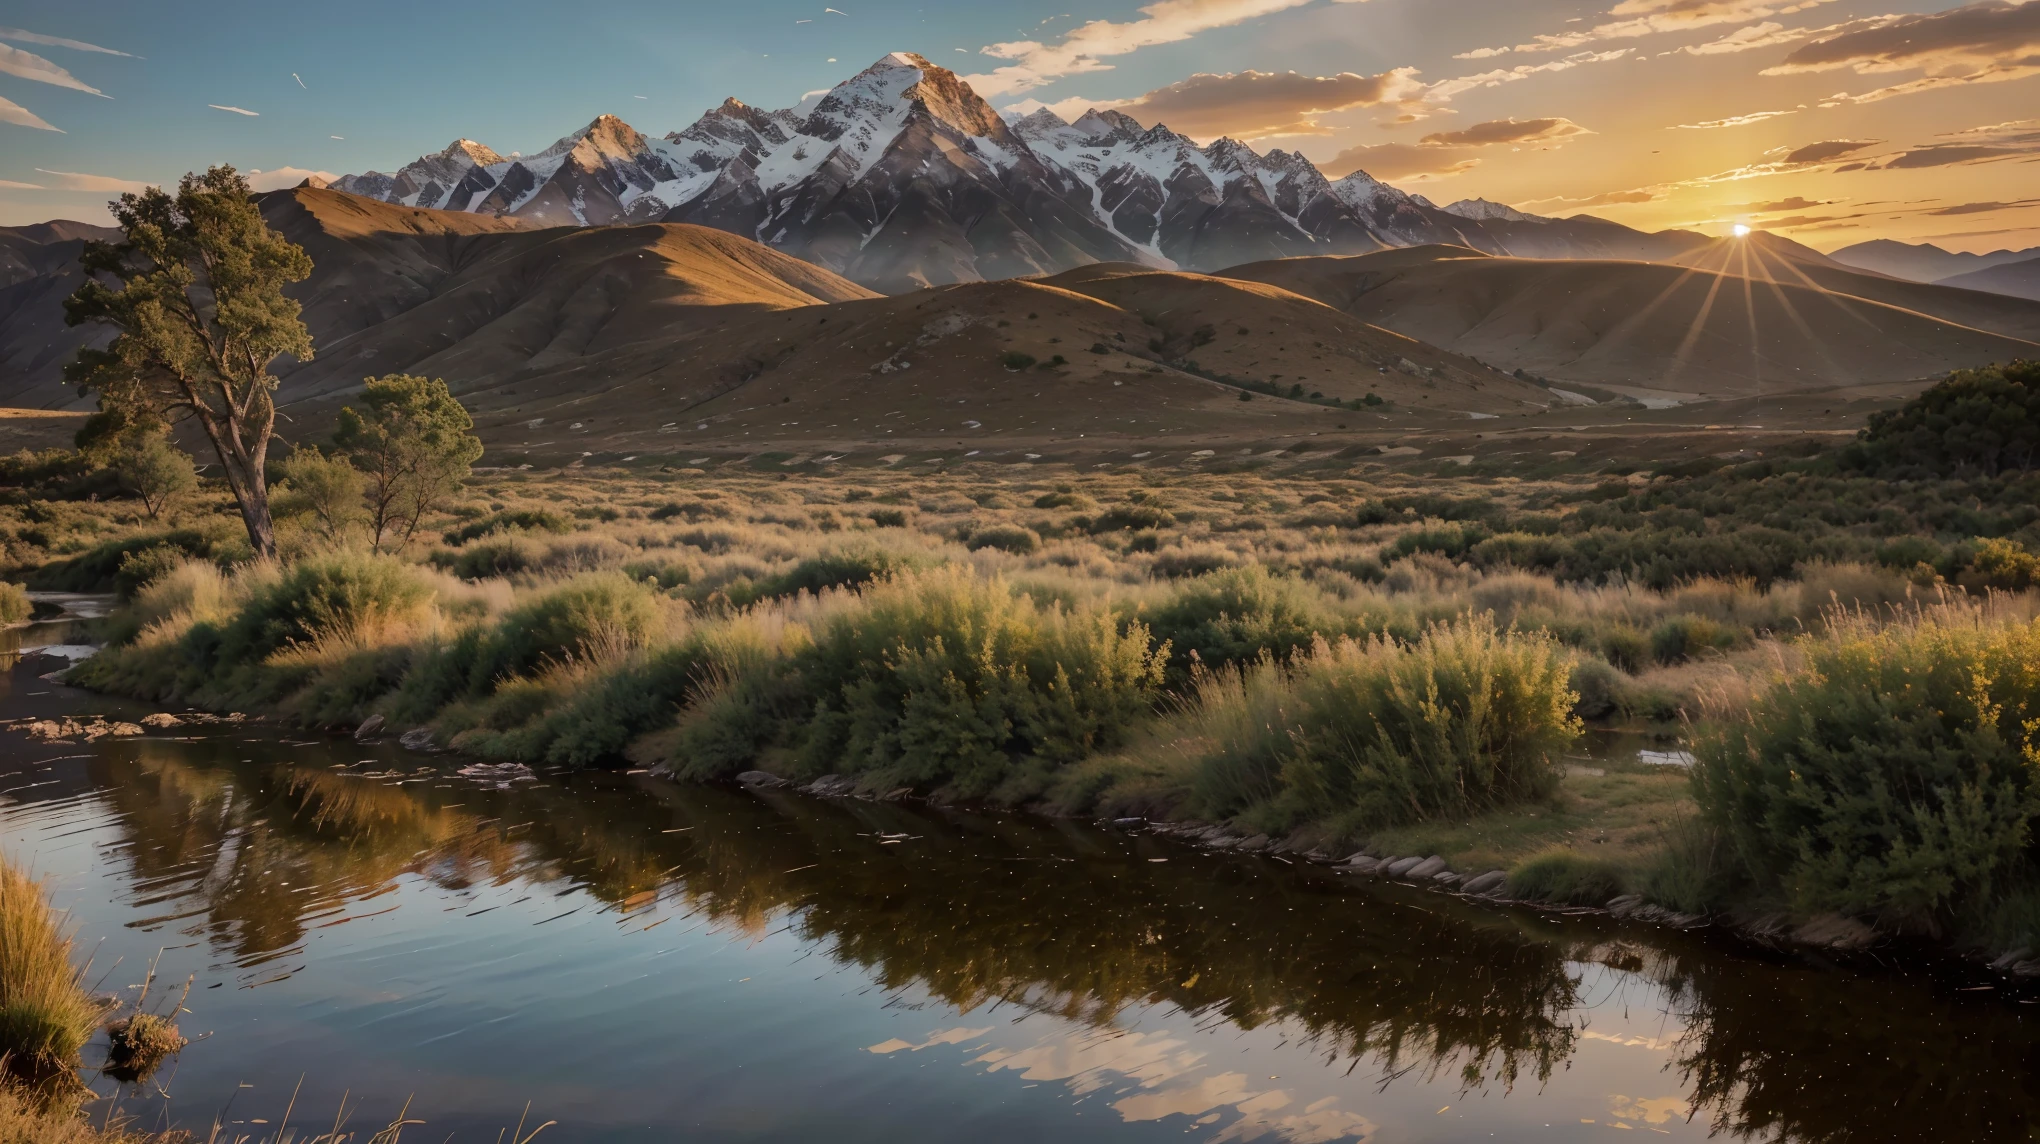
(45,1013)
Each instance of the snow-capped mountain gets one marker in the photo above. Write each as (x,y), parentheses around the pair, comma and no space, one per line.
(902,177)
(1482,210)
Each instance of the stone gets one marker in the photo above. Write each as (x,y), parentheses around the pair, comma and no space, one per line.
(1362,864)
(1833,931)
(417,739)
(1397,867)
(1428,868)
(162,720)
(1445,877)
(369,726)
(832,786)
(760,779)
(1257,842)
(1482,885)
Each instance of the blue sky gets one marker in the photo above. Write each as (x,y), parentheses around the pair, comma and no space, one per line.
(348,87)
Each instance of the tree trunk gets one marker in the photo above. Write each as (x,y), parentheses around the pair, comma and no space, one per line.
(243,469)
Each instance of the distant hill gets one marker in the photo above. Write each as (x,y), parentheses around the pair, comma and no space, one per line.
(1924,262)
(38,270)
(1741,320)
(2018,279)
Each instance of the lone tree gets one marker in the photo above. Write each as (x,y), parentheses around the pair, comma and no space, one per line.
(413,444)
(201,314)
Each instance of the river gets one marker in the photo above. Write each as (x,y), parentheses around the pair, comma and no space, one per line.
(639,960)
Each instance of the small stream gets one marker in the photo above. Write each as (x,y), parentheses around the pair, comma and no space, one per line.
(639,960)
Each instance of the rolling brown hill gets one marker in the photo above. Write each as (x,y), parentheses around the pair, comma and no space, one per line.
(38,270)
(1767,323)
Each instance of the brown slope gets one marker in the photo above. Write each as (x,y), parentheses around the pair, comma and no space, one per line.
(1646,325)
(38,270)
(917,370)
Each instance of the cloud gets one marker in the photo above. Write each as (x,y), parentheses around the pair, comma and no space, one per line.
(28,65)
(235,110)
(73,181)
(1981,208)
(1084,48)
(1405,162)
(1748,39)
(1988,42)
(1651,17)
(1949,154)
(1446,89)
(1608,199)
(1253,104)
(27,37)
(1444,153)
(11,185)
(12,112)
(1499,131)
(282,178)
(1795,203)
(1828,149)
(1732,121)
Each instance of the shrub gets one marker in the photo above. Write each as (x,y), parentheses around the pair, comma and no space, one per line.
(889,517)
(319,597)
(1679,638)
(94,569)
(503,555)
(2004,565)
(1978,420)
(817,574)
(1015,361)
(1892,775)
(1374,733)
(1126,517)
(522,520)
(593,617)
(1004,537)
(45,1015)
(141,568)
(14,604)
(1240,614)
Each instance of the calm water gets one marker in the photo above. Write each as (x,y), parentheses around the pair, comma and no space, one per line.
(645,961)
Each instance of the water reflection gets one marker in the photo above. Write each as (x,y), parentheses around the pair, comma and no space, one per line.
(251,844)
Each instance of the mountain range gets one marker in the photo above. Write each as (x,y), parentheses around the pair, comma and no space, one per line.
(2014,272)
(903,177)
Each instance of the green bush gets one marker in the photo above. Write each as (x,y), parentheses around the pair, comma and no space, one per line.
(94,569)
(1126,517)
(1004,537)
(1015,360)
(938,679)
(592,617)
(143,567)
(1977,421)
(889,517)
(1892,776)
(318,597)
(518,520)
(816,574)
(500,555)
(1237,615)
(1676,639)
(2003,565)
(1363,735)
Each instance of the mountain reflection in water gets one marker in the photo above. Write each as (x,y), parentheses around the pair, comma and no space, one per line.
(252,846)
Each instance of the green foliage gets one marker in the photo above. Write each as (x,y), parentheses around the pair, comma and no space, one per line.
(413,442)
(95,569)
(1566,877)
(15,607)
(1375,733)
(1676,639)
(156,472)
(592,617)
(1894,776)
(889,517)
(846,568)
(325,492)
(1015,361)
(514,520)
(201,314)
(341,593)
(1004,537)
(1983,421)
(2004,565)
(143,567)
(1237,615)
(505,555)
(1126,517)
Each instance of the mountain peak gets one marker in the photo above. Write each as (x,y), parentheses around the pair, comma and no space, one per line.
(475,153)
(1484,211)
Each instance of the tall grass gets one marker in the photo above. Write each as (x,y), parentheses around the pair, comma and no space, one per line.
(45,1014)
(1894,775)
(14,605)
(1362,734)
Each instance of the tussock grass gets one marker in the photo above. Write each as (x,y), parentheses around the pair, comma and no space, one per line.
(45,1014)
(14,605)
